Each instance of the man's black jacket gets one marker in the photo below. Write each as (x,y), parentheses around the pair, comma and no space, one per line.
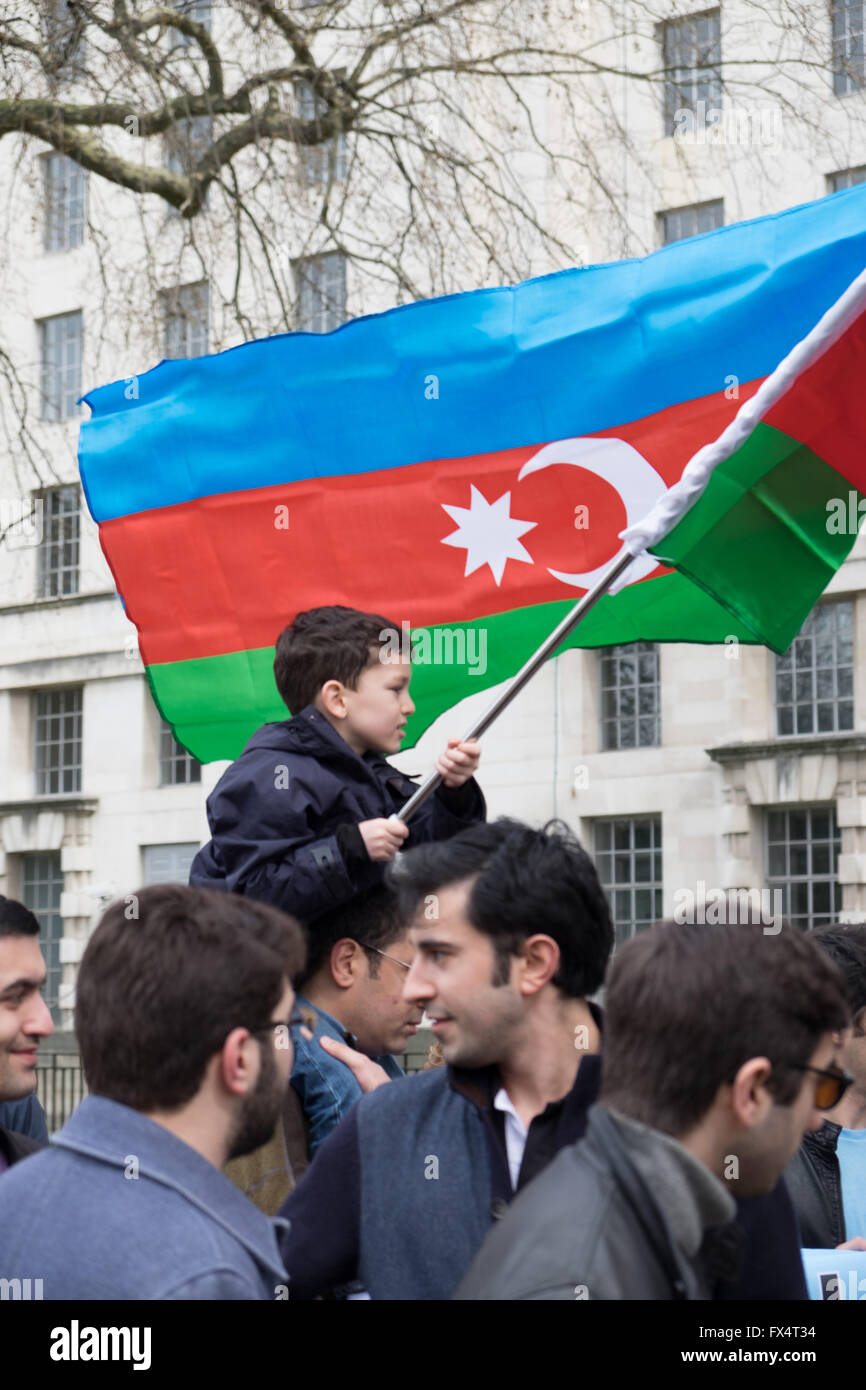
(815,1184)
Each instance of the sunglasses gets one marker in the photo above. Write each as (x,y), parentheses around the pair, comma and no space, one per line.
(832,1086)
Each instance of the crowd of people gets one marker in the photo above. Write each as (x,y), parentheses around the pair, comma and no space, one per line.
(249,1132)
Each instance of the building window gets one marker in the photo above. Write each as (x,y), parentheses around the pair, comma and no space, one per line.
(630,696)
(677,223)
(176,765)
(186,315)
(802,861)
(59,547)
(628,857)
(849,73)
(316,160)
(186,142)
(815,677)
(60,347)
(168,863)
(200,11)
(692,55)
(57,729)
(41,886)
(64,33)
(65,187)
(321,285)
(846,178)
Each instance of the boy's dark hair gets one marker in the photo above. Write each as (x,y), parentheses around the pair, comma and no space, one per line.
(845,944)
(326,644)
(686,1006)
(158,995)
(372,919)
(524,881)
(16,919)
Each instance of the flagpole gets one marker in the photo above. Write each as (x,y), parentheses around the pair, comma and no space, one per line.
(525,674)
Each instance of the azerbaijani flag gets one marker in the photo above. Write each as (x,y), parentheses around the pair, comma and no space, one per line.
(465,466)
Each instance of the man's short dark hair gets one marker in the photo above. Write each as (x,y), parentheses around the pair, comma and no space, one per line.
(326,644)
(686,1006)
(372,919)
(523,881)
(158,994)
(16,919)
(845,944)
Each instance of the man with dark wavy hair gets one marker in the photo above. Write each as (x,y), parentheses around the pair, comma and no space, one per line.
(718,1045)
(183,1014)
(511,933)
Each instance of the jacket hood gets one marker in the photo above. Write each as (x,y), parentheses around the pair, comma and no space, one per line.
(306,732)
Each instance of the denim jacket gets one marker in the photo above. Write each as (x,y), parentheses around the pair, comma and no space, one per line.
(120,1208)
(326,1087)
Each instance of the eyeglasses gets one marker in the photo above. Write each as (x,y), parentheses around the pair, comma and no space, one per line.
(832,1086)
(407,965)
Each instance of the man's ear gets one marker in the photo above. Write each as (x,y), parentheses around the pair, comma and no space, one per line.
(346,962)
(238,1062)
(332,696)
(539,962)
(750,1099)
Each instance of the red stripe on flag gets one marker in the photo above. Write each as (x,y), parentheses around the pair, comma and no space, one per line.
(825,407)
(226,573)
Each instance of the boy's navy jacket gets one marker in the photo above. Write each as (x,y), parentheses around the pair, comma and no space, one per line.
(284,817)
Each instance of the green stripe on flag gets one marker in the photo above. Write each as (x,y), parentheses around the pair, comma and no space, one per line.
(759,534)
(216,703)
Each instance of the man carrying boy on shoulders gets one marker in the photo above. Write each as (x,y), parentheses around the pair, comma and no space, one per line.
(301,819)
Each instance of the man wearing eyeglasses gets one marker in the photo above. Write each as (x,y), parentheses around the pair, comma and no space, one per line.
(512,935)
(827,1176)
(352,994)
(719,1053)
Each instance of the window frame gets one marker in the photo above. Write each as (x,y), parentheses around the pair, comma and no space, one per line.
(178,302)
(66,232)
(322,312)
(787,880)
(174,758)
(684,85)
(794,672)
(633,885)
(51,578)
(65,769)
(58,399)
(615,657)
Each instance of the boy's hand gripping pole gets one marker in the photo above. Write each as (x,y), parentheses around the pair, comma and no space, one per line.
(524,675)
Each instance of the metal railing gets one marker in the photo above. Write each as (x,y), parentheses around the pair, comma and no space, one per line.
(59,1078)
(60,1081)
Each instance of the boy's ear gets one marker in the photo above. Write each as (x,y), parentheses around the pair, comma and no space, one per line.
(332,696)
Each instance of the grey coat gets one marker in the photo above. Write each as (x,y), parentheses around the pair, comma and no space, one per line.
(624,1214)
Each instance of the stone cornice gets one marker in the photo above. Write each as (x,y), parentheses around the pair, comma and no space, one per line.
(61,601)
(76,805)
(786,747)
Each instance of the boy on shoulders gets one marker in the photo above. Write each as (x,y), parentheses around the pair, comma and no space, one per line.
(301,819)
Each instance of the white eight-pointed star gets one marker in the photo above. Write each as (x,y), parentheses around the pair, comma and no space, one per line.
(487,533)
